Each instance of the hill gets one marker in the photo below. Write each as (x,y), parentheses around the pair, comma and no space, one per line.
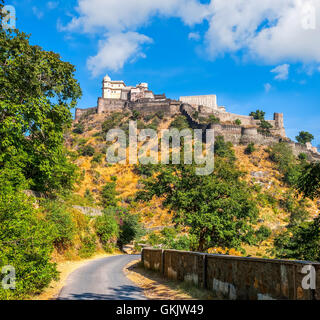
(277,201)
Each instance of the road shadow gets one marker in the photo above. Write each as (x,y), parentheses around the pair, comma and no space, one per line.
(125,292)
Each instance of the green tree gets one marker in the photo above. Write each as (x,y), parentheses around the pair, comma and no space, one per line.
(258,114)
(25,240)
(109,195)
(37,91)
(265,126)
(301,242)
(130,228)
(304,137)
(309,180)
(107,228)
(250,148)
(218,209)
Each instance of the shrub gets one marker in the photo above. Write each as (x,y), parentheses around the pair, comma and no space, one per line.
(262,234)
(113,122)
(79,128)
(63,228)
(88,246)
(97,158)
(87,150)
(88,195)
(180,123)
(153,125)
(223,149)
(282,154)
(264,126)
(108,195)
(237,122)
(213,119)
(130,229)
(107,229)
(160,114)
(26,244)
(145,169)
(250,148)
(135,115)
(302,156)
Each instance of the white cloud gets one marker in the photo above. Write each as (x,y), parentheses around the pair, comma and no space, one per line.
(194,36)
(121,19)
(130,14)
(115,50)
(282,72)
(38,13)
(52,5)
(271,30)
(267,87)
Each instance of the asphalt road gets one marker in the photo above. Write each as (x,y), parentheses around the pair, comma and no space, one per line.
(102,279)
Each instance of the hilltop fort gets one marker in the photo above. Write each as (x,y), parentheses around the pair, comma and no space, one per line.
(199,111)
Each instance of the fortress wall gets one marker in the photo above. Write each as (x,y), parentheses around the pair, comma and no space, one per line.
(209,101)
(235,278)
(110,105)
(154,107)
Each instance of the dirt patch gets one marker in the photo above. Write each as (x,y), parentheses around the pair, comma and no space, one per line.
(157,288)
(65,268)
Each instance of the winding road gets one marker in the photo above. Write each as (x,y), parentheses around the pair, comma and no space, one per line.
(102,279)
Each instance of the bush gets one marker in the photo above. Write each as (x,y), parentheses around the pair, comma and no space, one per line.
(113,122)
(213,119)
(107,229)
(63,228)
(264,126)
(250,148)
(302,156)
(160,115)
(282,154)
(97,158)
(135,115)
(262,234)
(87,151)
(223,149)
(88,246)
(79,128)
(130,229)
(180,123)
(237,122)
(108,195)
(26,244)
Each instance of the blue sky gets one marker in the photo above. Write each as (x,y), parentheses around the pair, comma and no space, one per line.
(264,56)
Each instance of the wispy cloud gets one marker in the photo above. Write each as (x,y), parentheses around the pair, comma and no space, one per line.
(194,36)
(267,87)
(282,72)
(37,12)
(52,5)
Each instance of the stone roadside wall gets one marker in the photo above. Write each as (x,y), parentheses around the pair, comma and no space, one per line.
(234,278)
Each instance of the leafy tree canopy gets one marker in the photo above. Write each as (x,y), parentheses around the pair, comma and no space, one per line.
(37,91)
(258,114)
(304,137)
(217,208)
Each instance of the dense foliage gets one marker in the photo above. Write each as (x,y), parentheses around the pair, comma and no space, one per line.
(218,209)
(304,137)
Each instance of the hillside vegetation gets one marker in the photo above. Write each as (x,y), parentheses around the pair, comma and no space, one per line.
(268,174)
